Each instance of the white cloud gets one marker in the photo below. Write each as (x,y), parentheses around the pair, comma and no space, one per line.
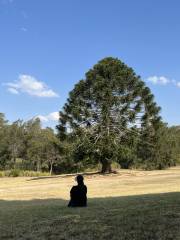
(178,84)
(54,116)
(30,85)
(163,81)
(13,90)
(158,80)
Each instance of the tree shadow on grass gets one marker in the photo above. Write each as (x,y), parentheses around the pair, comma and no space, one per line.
(67,175)
(150,216)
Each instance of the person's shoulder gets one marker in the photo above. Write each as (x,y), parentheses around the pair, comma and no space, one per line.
(73,188)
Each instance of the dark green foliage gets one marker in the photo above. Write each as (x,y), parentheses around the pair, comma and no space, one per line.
(156,150)
(127,150)
(3,141)
(116,115)
(26,146)
(173,143)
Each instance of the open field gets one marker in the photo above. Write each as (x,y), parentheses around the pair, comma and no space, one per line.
(128,205)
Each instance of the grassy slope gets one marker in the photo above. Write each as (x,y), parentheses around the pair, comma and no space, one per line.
(36,209)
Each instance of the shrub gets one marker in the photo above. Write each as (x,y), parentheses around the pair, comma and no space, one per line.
(33,174)
(14,173)
(2,174)
(21,173)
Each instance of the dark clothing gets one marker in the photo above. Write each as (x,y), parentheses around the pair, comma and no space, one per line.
(78,196)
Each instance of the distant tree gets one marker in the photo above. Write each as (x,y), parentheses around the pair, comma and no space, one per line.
(173,139)
(26,145)
(15,141)
(103,107)
(33,154)
(3,141)
(43,148)
(3,121)
(155,149)
(52,149)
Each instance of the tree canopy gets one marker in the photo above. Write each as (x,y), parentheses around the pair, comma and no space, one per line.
(28,146)
(106,110)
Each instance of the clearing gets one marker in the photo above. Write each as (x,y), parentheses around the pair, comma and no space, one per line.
(128,205)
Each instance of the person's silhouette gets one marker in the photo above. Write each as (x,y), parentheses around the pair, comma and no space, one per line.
(78,193)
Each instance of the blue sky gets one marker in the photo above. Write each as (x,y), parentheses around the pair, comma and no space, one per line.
(46,46)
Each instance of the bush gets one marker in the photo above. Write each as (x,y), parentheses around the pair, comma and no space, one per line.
(21,173)
(2,174)
(33,174)
(12,173)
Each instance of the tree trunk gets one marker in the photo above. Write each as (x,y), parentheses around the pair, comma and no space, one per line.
(51,167)
(14,162)
(39,166)
(106,167)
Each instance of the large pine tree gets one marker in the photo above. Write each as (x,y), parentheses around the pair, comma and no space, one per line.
(110,102)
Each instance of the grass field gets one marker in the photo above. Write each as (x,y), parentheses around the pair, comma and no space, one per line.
(128,205)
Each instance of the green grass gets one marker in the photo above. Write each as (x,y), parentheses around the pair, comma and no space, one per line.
(150,216)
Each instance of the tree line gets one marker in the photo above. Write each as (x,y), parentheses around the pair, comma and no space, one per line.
(27,146)
(110,116)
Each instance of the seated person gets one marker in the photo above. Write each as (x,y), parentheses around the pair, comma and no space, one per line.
(78,194)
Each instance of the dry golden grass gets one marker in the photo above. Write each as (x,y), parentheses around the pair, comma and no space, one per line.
(130,205)
(124,183)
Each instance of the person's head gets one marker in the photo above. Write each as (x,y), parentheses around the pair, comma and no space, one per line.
(79,179)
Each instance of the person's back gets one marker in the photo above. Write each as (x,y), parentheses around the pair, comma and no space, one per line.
(78,194)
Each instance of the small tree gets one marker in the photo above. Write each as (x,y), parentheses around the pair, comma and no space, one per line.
(52,149)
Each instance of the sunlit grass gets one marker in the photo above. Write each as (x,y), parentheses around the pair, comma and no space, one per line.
(129,205)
